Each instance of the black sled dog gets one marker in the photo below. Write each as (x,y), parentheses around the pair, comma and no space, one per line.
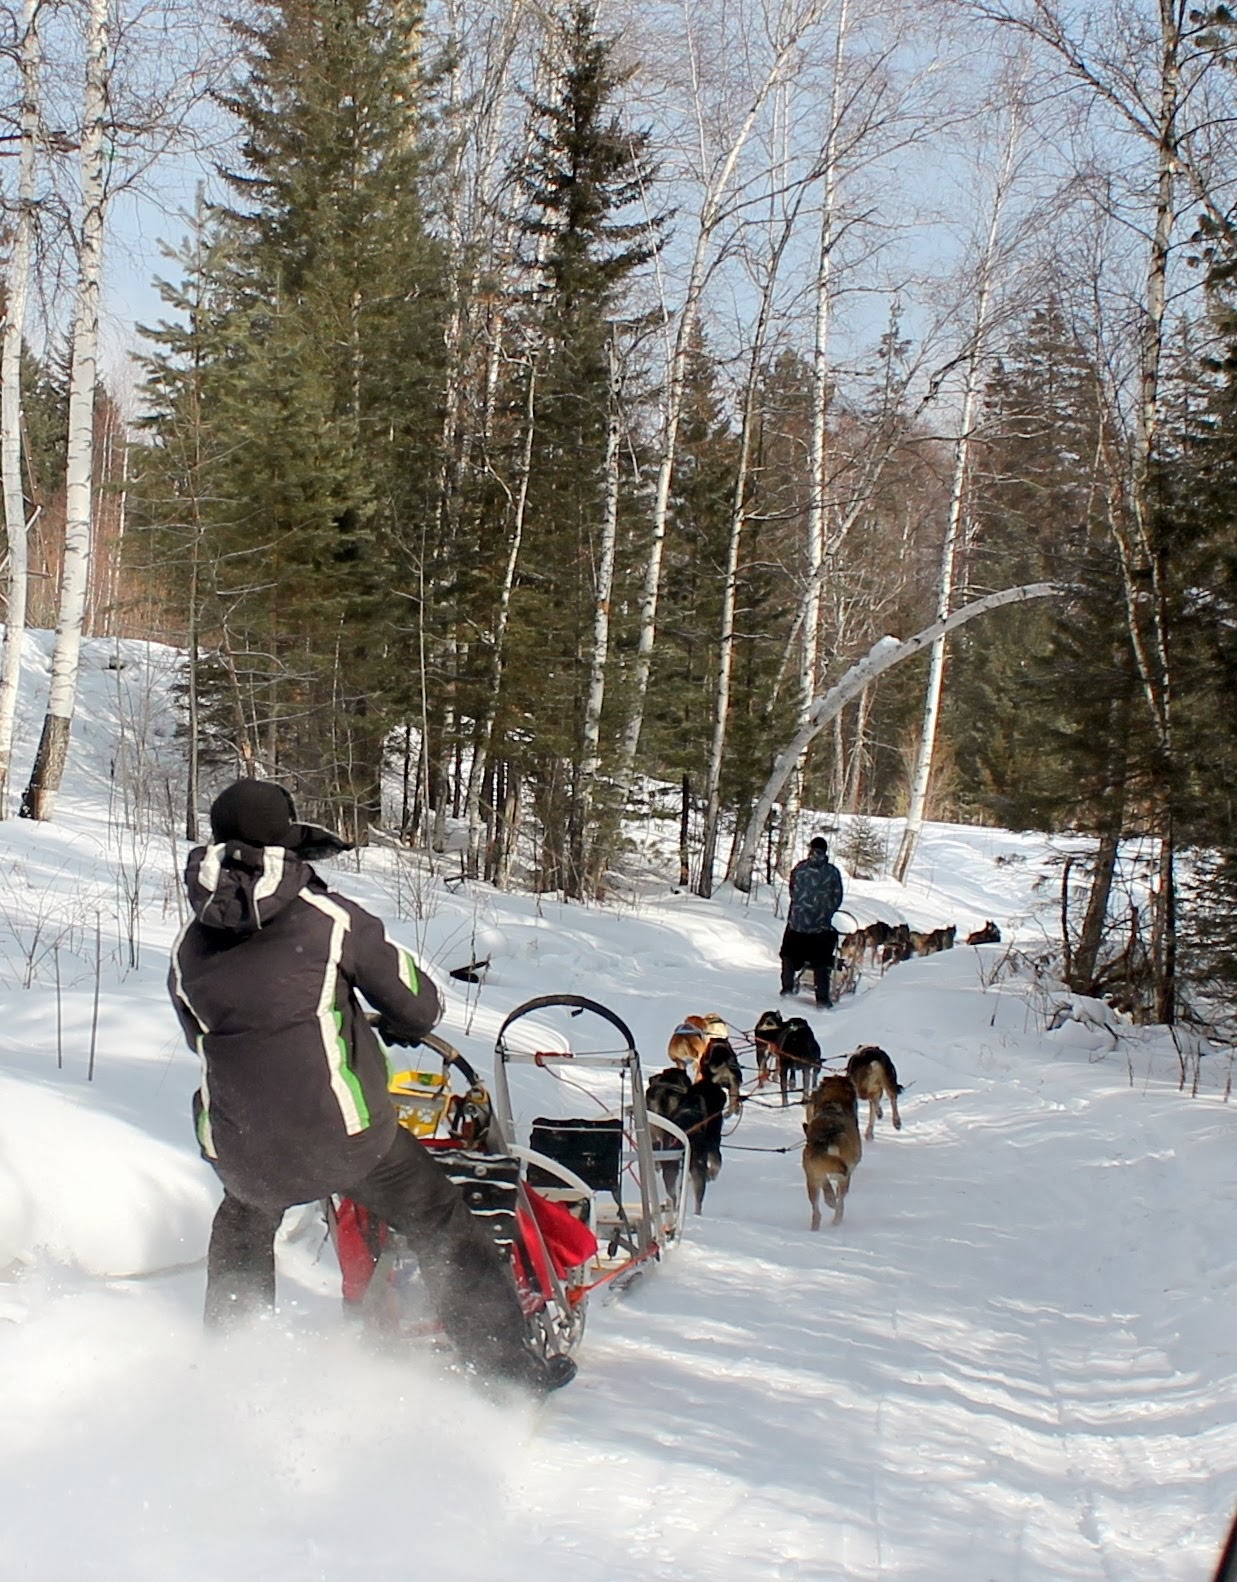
(698,1109)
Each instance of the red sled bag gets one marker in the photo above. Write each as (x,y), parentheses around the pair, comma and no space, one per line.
(568,1240)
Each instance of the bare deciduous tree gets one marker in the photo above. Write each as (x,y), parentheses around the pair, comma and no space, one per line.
(17,293)
(48,769)
(986,283)
(716,174)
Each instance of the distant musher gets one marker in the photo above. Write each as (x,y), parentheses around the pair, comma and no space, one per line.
(810,939)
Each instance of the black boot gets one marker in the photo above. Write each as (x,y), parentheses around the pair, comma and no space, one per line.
(468,1281)
(539,1376)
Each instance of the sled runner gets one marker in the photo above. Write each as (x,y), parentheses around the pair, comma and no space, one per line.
(551,1247)
(586,1139)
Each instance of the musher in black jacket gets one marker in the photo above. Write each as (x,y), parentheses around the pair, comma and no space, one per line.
(293,1104)
(810,939)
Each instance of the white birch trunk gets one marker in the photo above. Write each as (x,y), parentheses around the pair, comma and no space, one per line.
(48,770)
(882,656)
(854,772)
(814,547)
(1137,552)
(711,215)
(485,736)
(738,519)
(17,295)
(922,775)
(590,757)
(496,355)
(725,653)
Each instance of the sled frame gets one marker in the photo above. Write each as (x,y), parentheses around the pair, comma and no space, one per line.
(635,1228)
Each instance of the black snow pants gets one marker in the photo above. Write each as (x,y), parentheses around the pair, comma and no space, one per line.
(468,1281)
(809,950)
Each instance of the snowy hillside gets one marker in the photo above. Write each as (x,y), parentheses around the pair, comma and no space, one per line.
(1014,1361)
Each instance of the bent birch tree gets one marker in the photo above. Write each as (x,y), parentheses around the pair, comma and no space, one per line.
(883,655)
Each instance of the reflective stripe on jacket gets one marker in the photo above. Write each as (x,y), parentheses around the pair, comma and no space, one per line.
(293,1103)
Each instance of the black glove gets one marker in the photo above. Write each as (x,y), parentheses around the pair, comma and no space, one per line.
(389,1035)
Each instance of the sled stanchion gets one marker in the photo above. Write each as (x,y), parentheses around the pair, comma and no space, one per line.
(610,1153)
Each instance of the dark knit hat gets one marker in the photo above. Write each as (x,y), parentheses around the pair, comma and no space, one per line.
(818,843)
(258,812)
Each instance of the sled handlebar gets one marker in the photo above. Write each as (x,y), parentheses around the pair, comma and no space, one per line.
(449,1053)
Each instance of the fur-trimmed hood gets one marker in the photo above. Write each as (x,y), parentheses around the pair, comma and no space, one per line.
(239,888)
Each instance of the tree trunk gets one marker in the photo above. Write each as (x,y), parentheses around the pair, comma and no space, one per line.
(590,856)
(1086,956)
(685,824)
(738,518)
(484,734)
(854,777)
(814,545)
(193,721)
(711,215)
(1164,925)
(48,770)
(17,293)
(921,778)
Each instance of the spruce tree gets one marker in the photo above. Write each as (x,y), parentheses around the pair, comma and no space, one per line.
(1199,491)
(320,382)
(585,230)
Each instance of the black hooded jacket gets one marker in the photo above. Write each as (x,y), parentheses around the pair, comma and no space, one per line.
(293,1103)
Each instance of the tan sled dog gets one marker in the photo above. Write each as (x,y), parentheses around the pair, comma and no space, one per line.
(831,1148)
(875,1078)
(692,1037)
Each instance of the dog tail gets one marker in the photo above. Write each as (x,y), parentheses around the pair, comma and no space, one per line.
(824,1151)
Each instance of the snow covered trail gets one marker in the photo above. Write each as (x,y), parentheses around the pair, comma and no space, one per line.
(1015,1360)
(1002,1365)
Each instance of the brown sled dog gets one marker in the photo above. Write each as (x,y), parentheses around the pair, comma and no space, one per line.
(873,1074)
(831,1147)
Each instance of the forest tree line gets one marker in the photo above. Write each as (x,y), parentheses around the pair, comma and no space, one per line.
(553,402)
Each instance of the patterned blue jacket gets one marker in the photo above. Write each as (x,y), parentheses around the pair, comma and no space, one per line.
(815,894)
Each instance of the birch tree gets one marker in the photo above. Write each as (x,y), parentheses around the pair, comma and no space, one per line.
(717,171)
(48,768)
(589,862)
(985,287)
(738,519)
(814,537)
(483,736)
(877,109)
(17,293)
(482,52)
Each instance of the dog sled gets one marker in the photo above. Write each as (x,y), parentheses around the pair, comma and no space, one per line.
(843,979)
(551,1246)
(586,1139)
